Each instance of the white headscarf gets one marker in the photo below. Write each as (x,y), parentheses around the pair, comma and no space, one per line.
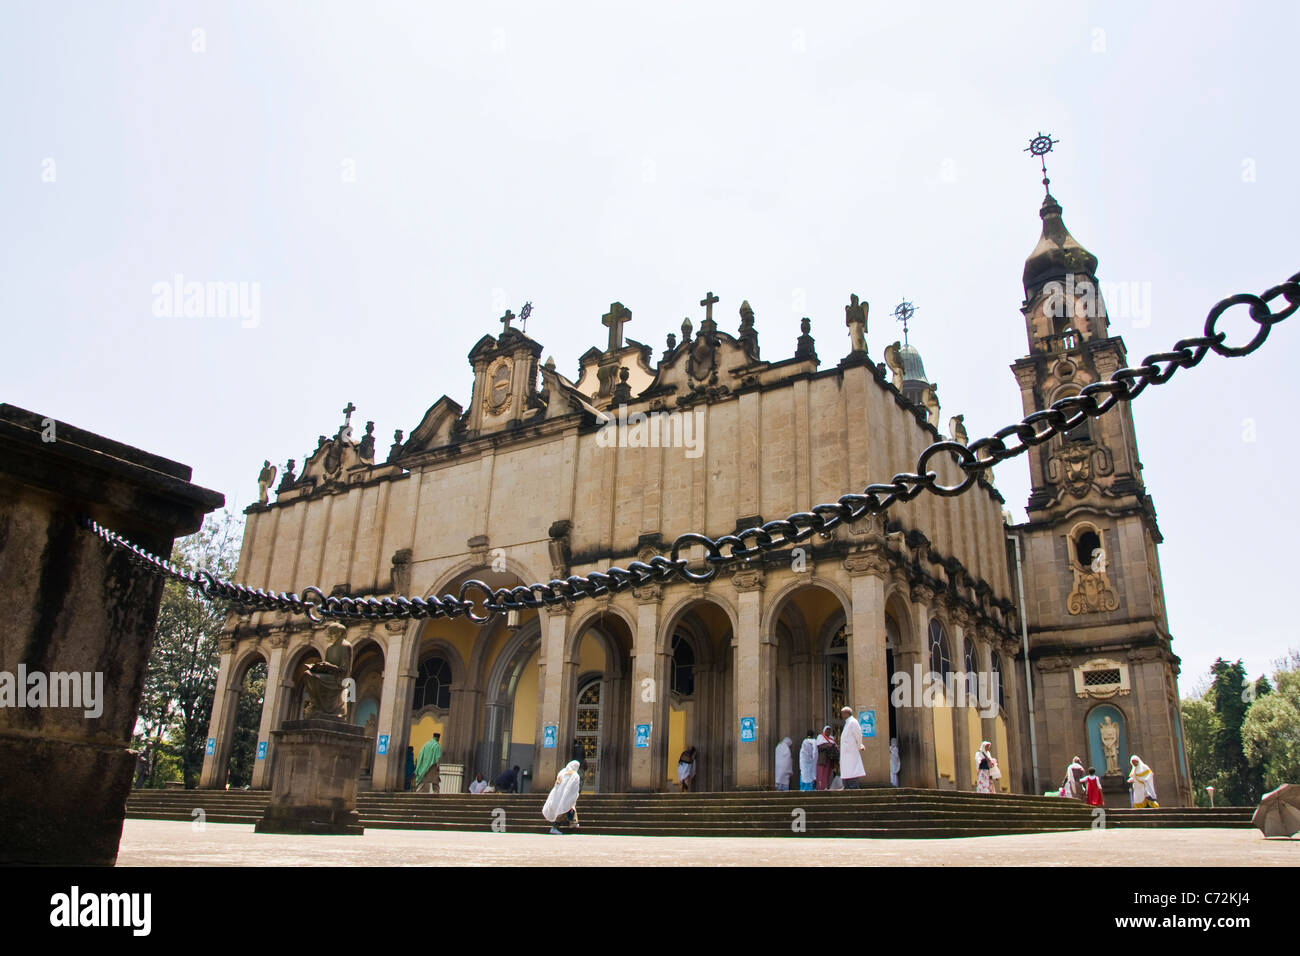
(564,795)
(983,752)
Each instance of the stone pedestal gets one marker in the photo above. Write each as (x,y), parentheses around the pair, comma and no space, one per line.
(78,613)
(314,780)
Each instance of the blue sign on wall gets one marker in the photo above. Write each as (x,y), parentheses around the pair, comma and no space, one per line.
(549,733)
(748,730)
(212,746)
(867,720)
(261,750)
(642,736)
(383,744)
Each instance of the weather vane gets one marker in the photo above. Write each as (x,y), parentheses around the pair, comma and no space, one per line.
(524,313)
(903,312)
(1040,146)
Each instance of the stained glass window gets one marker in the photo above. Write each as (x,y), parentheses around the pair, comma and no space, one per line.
(940,661)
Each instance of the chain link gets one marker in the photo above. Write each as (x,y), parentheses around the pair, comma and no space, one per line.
(1036,428)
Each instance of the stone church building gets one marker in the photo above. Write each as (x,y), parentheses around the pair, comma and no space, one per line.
(1047,639)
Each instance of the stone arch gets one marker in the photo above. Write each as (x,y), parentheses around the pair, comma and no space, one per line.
(500,747)
(609,754)
(251,657)
(704,719)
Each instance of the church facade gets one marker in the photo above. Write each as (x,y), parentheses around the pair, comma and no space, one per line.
(912,619)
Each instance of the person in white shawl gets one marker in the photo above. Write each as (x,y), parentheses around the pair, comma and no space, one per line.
(985,763)
(1074,774)
(1143,782)
(808,763)
(784,764)
(895,762)
(563,798)
(851,749)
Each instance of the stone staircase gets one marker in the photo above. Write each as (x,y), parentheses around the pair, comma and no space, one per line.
(882,812)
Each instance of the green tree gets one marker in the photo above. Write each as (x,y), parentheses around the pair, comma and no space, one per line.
(248,719)
(182,675)
(1238,782)
(1270,734)
(1201,727)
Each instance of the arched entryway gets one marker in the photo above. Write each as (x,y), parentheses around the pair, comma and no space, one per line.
(363,710)
(701,712)
(245,723)
(599,665)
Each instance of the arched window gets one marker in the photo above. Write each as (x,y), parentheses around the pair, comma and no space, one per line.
(683,670)
(940,659)
(433,684)
(995,663)
(1084,546)
(837,674)
(970,667)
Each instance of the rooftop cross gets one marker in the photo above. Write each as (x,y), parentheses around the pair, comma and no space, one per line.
(614,318)
(524,313)
(506,320)
(1040,146)
(903,312)
(348,413)
(707,302)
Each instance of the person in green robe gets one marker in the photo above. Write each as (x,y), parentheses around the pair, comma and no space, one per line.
(426,765)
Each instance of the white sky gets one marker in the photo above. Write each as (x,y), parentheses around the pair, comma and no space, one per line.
(577,154)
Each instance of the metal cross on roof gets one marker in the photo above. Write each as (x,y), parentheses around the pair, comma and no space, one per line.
(1040,146)
(903,312)
(524,313)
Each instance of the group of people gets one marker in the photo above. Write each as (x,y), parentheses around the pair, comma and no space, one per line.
(824,762)
(1079,785)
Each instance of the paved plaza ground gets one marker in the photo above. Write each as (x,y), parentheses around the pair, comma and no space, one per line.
(171,843)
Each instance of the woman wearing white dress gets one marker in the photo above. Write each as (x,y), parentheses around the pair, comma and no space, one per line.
(1143,782)
(561,802)
(985,763)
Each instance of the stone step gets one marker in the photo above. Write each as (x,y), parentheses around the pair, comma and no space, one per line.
(875,813)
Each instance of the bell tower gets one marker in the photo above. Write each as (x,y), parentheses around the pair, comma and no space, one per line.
(1104,670)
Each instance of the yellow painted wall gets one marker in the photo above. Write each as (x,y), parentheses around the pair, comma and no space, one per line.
(423,730)
(591,656)
(523,729)
(975,734)
(943,748)
(460,634)
(1003,754)
(676,739)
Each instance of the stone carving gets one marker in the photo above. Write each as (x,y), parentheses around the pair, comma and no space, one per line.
(1075,466)
(855,317)
(930,399)
(325,679)
(748,336)
(672,346)
(559,549)
(622,391)
(1092,591)
(366,447)
(396,448)
(288,480)
(264,481)
(402,571)
(499,376)
(803,348)
(1109,731)
(957,429)
(894,359)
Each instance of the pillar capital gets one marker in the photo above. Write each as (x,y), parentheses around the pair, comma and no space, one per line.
(748,579)
(871,561)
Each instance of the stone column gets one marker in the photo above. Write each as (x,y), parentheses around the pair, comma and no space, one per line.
(557,699)
(965,747)
(395,708)
(76,608)
(213,775)
(868,666)
(914,728)
(277,688)
(752,672)
(649,701)
(922,600)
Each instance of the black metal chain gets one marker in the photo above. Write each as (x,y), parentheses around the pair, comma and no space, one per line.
(1063,416)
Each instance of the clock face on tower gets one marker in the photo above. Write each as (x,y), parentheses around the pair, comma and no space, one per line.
(496,398)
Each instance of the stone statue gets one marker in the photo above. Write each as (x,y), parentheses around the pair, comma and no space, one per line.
(804,347)
(748,337)
(894,359)
(288,480)
(957,429)
(366,448)
(855,317)
(1109,731)
(396,448)
(325,679)
(930,399)
(1098,561)
(264,482)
